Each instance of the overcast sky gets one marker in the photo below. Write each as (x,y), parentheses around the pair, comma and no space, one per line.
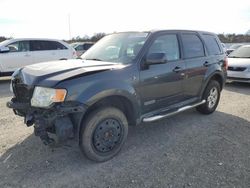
(50,18)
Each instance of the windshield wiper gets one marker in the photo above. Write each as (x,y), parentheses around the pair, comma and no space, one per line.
(95,59)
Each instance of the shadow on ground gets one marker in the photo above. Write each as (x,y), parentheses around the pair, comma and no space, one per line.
(5,87)
(243,88)
(188,149)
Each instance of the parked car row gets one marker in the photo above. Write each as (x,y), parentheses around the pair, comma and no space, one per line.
(239,64)
(16,53)
(231,47)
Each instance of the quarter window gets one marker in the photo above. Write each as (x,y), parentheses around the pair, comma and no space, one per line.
(212,45)
(192,46)
(167,44)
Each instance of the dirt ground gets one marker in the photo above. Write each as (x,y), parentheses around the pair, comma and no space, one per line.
(187,150)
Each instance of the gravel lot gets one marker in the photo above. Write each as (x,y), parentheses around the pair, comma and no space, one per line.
(187,150)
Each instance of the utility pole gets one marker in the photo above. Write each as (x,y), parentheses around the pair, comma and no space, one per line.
(69,27)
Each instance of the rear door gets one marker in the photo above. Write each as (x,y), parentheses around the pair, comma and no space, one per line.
(161,84)
(195,63)
(42,50)
(18,56)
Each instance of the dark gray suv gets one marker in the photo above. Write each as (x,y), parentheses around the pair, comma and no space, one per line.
(124,79)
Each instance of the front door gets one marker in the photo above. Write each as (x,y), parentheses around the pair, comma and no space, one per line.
(161,84)
(18,56)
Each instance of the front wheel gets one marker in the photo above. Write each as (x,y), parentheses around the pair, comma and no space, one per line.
(103,134)
(212,97)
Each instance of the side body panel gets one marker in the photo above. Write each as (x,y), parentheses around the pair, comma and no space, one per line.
(160,86)
(90,89)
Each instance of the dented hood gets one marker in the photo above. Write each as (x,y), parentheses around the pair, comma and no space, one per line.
(50,73)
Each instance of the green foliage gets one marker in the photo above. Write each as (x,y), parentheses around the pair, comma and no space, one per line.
(86,38)
(2,38)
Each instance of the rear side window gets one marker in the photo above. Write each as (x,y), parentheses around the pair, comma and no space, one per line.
(212,45)
(192,46)
(46,45)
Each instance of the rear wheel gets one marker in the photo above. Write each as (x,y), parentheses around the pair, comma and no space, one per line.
(212,97)
(104,133)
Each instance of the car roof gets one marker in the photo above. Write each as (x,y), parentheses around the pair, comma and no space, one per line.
(89,42)
(19,39)
(169,30)
(181,30)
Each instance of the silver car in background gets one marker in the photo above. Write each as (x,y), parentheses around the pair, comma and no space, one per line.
(239,65)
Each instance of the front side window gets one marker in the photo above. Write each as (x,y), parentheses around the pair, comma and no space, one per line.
(192,46)
(118,47)
(20,46)
(167,44)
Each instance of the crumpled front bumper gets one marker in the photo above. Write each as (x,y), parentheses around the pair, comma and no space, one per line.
(57,119)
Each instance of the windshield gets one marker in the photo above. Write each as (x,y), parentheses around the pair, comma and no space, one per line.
(242,52)
(235,46)
(74,44)
(118,48)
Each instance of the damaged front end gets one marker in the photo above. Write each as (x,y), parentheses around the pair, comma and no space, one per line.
(57,118)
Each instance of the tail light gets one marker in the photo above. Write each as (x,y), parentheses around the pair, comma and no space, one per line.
(74,54)
(225,64)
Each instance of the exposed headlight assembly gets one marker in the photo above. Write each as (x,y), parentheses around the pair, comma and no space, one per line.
(44,97)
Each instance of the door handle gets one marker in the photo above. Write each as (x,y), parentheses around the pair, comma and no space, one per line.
(206,64)
(177,69)
(27,55)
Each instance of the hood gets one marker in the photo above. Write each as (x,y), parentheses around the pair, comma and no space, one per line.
(50,73)
(239,62)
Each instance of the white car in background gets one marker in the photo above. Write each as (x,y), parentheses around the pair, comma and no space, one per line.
(81,47)
(239,65)
(16,53)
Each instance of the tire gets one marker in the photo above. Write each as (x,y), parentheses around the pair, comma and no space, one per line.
(212,97)
(103,134)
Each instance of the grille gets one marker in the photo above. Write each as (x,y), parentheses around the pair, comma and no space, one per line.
(22,92)
(239,69)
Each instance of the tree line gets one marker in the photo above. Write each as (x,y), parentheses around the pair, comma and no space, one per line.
(86,38)
(225,38)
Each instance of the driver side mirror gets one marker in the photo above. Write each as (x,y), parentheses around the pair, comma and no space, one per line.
(4,49)
(156,58)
